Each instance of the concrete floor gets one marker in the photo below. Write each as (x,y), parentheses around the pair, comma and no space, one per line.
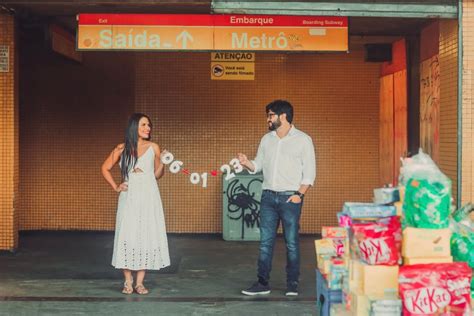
(69,273)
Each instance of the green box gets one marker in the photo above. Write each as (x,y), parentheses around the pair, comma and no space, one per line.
(241,206)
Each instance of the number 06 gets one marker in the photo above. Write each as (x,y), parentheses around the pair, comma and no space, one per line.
(175,166)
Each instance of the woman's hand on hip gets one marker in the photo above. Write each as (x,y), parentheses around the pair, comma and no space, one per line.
(122,187)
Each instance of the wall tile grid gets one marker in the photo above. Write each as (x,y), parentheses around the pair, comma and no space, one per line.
(73,118)
(9,144)
(448,59)
(205,122)
(70,121)
(467,103)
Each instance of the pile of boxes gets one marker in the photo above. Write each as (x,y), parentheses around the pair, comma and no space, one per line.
(373,264)
(372,284)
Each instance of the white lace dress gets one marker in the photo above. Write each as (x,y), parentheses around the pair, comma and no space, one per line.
(140,233)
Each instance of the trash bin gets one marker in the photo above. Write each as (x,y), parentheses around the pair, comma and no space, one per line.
(241,206)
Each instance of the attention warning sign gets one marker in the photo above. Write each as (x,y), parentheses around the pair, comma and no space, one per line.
(232,66)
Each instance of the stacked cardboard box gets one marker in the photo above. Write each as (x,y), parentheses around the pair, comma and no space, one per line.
(421,246)
(329,253)
(325,250)
(428,282)
(371,286)
(350,259)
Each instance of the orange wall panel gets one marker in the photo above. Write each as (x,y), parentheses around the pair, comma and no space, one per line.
(72,119)
(429,106)
(400,120)
(386,141)
(9,140)
(205,123)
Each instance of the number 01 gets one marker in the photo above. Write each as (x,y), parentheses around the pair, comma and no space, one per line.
(195,178)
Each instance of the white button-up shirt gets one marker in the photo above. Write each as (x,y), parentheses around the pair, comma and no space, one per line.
(287,162)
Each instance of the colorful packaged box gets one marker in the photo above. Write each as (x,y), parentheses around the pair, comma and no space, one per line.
(333,232)
(436,289)
(385,306)
(337,271)
(338,235)
(324,247)
(344,220)
(377,243)
(324,251)
(332,246)
(365,210)
(386,195)
(324,263)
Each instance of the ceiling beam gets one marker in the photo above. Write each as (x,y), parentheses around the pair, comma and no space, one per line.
(106,2)
(335,9)
(72,7)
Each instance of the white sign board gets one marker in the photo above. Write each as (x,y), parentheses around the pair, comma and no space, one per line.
(4,58)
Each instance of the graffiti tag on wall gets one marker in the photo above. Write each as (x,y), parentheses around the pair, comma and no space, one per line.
(429,106)
(243,205)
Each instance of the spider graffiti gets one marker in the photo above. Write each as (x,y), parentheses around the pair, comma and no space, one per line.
(242,204)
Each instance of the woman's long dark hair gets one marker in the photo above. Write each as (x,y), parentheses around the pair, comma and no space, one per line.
(129,156)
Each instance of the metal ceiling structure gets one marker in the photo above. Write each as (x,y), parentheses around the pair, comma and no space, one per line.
(375,18)
(381,8)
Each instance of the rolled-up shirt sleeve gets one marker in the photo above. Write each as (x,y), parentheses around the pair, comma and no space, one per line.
(258,161)
(309,163)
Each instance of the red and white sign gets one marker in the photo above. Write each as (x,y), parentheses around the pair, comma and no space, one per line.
(211,32)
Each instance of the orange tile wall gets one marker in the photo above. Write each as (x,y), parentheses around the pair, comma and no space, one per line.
(72,118)
(206,122)
(467,176)
(448,64)
(9,144)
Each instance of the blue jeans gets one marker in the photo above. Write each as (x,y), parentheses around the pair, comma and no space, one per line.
(273,209)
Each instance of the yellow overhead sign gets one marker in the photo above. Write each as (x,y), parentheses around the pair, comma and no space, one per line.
(211,32)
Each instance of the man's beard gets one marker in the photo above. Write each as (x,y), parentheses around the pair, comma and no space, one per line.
(274,125)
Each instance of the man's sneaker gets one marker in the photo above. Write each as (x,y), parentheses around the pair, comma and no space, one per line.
(292,290)
(257,289)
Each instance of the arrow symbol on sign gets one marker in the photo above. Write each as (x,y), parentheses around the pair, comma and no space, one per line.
(184,36)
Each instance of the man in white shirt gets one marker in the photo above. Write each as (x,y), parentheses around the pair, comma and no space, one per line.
(287,158)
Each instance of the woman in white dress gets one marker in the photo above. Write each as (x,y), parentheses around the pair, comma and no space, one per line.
(140,242)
